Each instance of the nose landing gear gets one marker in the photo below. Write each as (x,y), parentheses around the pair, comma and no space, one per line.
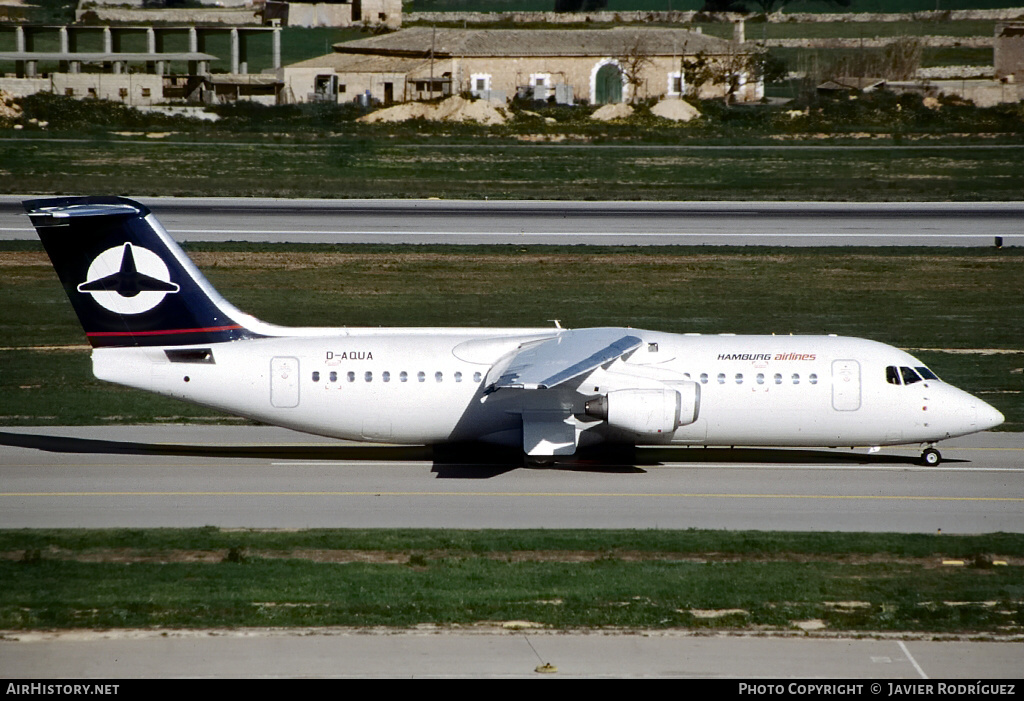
(930,456)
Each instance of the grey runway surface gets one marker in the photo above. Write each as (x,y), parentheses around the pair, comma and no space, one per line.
(426,653)
(568,223)
(262,477)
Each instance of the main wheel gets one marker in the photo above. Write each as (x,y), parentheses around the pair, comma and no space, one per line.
(931,457)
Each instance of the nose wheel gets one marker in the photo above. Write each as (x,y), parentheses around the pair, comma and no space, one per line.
(931,457)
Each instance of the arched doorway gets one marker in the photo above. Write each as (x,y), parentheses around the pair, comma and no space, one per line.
(608,84)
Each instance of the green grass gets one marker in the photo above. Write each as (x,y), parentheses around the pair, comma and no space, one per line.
(626,579)
(911,298)
(955,56)
(462,543)
(867,30)
(378,169)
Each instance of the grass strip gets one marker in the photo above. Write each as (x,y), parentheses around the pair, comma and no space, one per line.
(559,579)
(354,168)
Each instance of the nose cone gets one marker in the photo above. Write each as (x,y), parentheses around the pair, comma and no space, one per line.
(958,413)
(988,416)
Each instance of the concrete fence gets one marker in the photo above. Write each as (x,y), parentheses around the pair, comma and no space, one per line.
(691,17)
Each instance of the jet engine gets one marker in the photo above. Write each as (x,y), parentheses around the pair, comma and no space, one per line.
(648,411)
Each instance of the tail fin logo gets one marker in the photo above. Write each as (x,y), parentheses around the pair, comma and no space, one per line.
(128,280)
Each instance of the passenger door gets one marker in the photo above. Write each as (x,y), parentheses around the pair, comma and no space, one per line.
(845,385)
(284,382)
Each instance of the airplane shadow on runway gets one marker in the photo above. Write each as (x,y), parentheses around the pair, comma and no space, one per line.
(464,461)
(467,461)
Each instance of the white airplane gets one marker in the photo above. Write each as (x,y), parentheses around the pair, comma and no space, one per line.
(155,323)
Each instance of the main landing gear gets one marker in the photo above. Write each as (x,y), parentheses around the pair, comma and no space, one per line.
(931,457)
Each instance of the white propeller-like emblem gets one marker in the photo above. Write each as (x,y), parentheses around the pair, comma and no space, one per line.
(128,280)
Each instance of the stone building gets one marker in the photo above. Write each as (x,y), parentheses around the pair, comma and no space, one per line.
(599,66)
(94,62)
(369,13)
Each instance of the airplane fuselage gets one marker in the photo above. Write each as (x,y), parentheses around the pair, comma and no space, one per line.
(431,386)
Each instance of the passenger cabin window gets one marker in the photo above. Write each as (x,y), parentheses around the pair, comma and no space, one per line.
(438,376)
(760,378)
(477,377)
(778,378)
(703,378)
(421,376)
(333,376)
(385,376)
(458,377)
(316,376)
(721,378)
(403,376)
(813,378)
(351,376)
(739,378)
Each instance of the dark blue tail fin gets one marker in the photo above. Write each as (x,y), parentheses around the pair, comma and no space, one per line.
(129,282)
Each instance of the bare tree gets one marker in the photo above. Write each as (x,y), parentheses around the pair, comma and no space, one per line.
(731,71)
(698,70)
(738,69)
(635,57)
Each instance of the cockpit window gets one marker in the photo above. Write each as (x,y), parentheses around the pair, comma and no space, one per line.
(926,373)
(892,375)
(909,376)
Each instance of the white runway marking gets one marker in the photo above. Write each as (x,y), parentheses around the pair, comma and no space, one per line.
(912,660)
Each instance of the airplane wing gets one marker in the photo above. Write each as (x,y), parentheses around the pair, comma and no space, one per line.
(560,359)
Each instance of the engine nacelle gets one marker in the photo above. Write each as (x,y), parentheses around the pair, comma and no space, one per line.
(648,411)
